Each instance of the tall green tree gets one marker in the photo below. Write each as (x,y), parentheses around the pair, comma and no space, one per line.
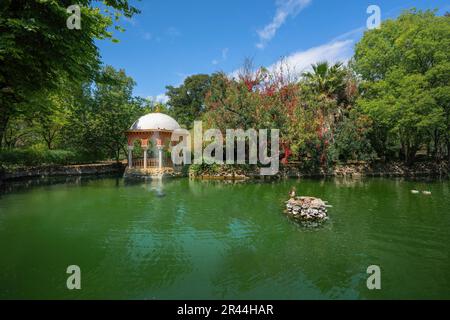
(187,102)
(108,108)
(50,120)
(37,48)
(405,66)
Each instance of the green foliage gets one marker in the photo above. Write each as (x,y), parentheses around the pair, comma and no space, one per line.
(187,102)
(216,169)
(326,94)
(256,100)
(90,118)
(405,65)
(37,49)
(326,80)
(204,168)
(34,157)
(390,102)
(352,139)
(97,123)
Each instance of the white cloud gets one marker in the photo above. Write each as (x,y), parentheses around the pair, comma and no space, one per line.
(352,34)
(332,52)
(301,61)
(215,62)
(160,98)
(285,8)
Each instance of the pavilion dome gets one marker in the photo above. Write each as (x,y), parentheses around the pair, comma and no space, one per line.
(155,121)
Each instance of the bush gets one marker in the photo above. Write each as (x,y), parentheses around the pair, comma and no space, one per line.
(204,168)
(352,140)
(221,169)
(36,156)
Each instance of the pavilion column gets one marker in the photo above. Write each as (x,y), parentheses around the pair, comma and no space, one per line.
(130,156)
(160,156)
(145,156)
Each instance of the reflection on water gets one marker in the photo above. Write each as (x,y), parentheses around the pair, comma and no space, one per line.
(208,239)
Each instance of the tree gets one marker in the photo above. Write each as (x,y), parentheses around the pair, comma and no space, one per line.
(327,94)
(115,109)
(50,121)
(256,99)
(106,109)
(230,104)
(326,79)
(187,102)
(352,138)
(37,49)
(405,67)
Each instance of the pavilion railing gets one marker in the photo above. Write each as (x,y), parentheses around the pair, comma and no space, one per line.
(151,162)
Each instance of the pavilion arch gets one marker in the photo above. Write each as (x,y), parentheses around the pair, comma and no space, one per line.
(154,131)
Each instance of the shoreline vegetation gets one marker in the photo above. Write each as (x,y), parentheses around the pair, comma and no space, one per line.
(384,113)
(355,169)
(352,169)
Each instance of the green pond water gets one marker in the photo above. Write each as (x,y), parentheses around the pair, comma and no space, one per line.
(184,239)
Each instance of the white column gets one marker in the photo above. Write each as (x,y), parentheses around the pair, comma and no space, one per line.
(130,156)
(160,156)
(145,157)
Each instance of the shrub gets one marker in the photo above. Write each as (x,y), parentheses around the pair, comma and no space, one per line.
(36,156)
(204,168)
(221,169)
(352,139)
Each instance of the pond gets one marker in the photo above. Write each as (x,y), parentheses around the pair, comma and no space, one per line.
(185,239)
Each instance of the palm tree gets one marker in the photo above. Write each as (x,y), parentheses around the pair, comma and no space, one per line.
(325,79)
(327,83)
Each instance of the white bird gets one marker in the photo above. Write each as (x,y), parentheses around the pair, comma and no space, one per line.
(415,191)
(426,192)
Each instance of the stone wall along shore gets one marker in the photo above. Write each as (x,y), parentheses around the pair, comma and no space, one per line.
(69,170)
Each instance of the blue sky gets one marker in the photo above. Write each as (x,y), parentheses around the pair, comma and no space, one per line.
(171,40)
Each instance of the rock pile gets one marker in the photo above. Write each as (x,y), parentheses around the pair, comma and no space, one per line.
(307,209)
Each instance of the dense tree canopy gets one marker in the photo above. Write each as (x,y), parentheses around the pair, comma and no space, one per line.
(187,102)
(96,125)
(392,101)
(405,66)
(37,49)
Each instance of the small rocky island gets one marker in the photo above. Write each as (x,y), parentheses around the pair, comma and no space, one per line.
(306,209)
